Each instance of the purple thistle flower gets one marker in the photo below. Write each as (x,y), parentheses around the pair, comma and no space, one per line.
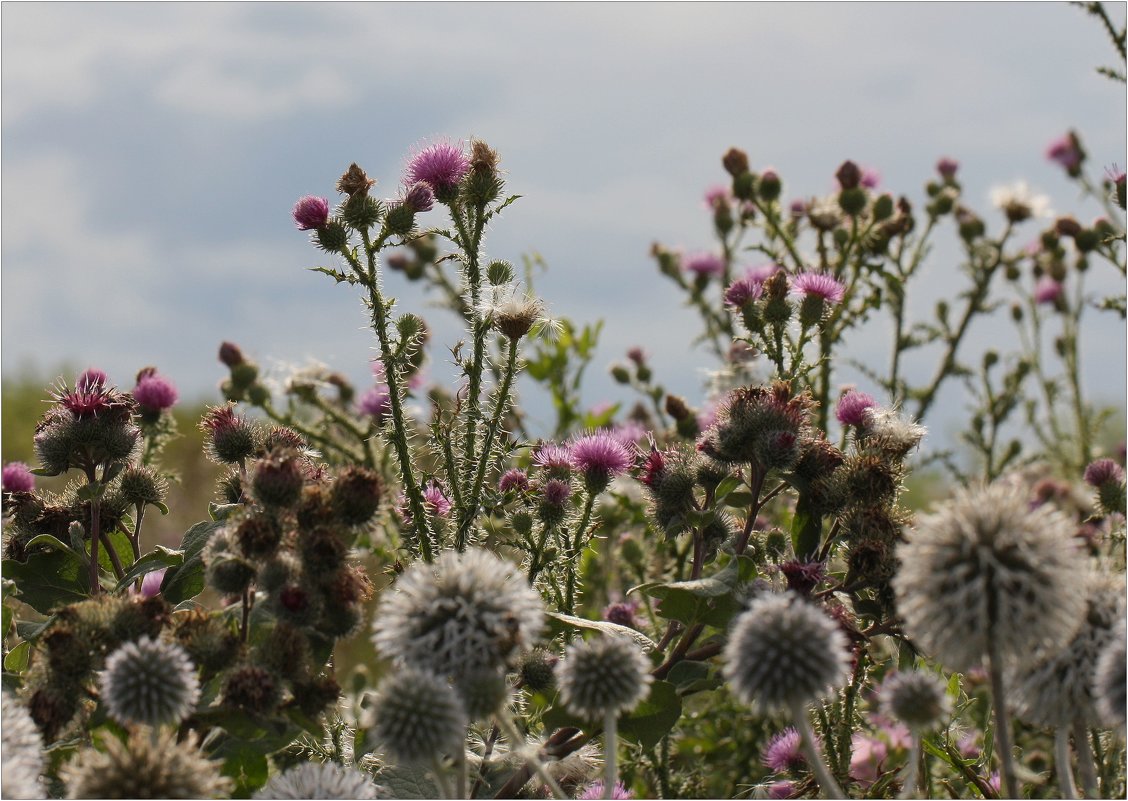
(154,392)
(600,453)
(852,407)
(762,272)
(637,355)
(705,264)
(871,178)
(783,752)
(515,479)
(784,789)
(311,212)
(743,290)
(947,168)
(17,477)
(1066,151)
(151,584)
(557,492)
(802,577)
(595,790)
(440,165)
(629,432)
(622,613)
(90,378)
(419,197)
(376,402)
(865,761)
(552,456)
(717,195)
(798,208)
(1047,290)
(820,285)
(437,501)
(1097,474)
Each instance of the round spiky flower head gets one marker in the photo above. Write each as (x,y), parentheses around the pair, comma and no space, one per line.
(145,767)
(602,676)
(311,213)
(1059,691)
(599,457)
(21,753)
(916,698)
(418,716)
(986,567)
(150,682)
(441,166)
(1109,686)
(785,652)
(319,780)
(465,611)
(17,477)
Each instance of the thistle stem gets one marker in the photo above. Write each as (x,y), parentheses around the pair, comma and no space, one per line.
(827,783)
(1085,761)
(517,742)
(1061,763)
(909,782)
(441,780)
(610,752)
(1002,722)
(574,556)
(95,568)
(461,776)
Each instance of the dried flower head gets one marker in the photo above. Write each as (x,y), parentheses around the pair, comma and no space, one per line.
(603,676)
(21,754)
(916,698)
(144,767)
(784,652)
(1018,203)
(353,181)
(513,313)
(465,611)
(986,567)
(317,780)
(418,716)
(151,682)
(891,433)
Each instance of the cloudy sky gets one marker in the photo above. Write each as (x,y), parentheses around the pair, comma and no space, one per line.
(152,153)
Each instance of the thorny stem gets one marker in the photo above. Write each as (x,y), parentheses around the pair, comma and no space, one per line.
(95,521)
(758,476)
(1062,763)
(827,783)
(610,752)
(470,246)
(308,433)
(248,602)
(491,740)
(517,743)
(574,555)
(349,425)
(1085,761)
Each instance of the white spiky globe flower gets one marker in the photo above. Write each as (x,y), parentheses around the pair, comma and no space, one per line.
(985,569)
(317,780)
(1111,680)
(21,752)
(149,681)
(148,765)
(916,698)
(784,652)
(465,612)
(602,676)
(418,716)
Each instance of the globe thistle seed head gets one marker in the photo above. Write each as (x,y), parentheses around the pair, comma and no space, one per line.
(418,716)
(21,753)
(916,698)
(150,682)
(319,780)
(141,485)
(277,479)
(252,688)
(784,752)
(1111,680)
(986,567)
(537,670)
(783,652)
(601,676)
(890,433)
(483,692)
(144,767)
(17,477)
(466,611)
(1058,691)
(356,495)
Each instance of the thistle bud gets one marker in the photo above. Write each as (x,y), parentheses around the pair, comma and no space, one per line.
(735,162)
(883,207)
(252,688)
(142,486)
(230,354)
(360,212)
(332,238)
(354,181)
(356,495)
(769,186)
(852,202)
(849,176)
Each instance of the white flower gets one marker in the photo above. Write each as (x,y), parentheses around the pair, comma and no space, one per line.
(1019,202)
(150,682)
(21,753)
(319,780)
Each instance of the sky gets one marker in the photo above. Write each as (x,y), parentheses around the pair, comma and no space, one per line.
(151,154)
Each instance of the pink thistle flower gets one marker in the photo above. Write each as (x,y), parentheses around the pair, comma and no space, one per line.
(1097,474)
(798,209)
(784,789)
(637,355)
(419,197)
(852,407)
(704,264)
(947,168)
(311,213)
(622,613)
(557,492)
(600,453)
(865,761)
(17,477)
(441,165)
(89,378)
(88,401)
(219,420)
(1047,290)
(376,402)
(654,467)
(1066,151)
(515,479)
(437,502)
(595,790)
(154,392)
(552,456)
(151,584)
(762,272)
(784,752)
(871,178)
(743,290)
(968,746)
(819,285)
(717,195)
(802,577)
(994,781)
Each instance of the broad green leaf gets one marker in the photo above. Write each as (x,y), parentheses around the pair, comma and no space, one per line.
(49,580)
(558,621)
(651,720)
(154,560)
(187,579)
(407,782)
(17,659)
(711,599)
(806,531)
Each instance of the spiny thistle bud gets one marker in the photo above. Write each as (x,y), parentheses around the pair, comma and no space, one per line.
(319,780)
(419,198)
(769,186)
(758,424)
(230,354)
(277,480)
(228,438)
(354,181)
(322,550)
(916,698)
(252,688)
(986,568)
(783,653)
(1058,691)
(311,213)
(227,571)
(777,310)
(22,750)
(1110,681)
(735,162)
(209,641)
(258,536)
(146,766)
(883,207)
(142,486)
(150,682)
(283,569)
(400,219)
(1108,478)
(332,238)
(314,696)
(603,676)
(849,175)
(536,671)
(285,650)
(483,692)
(869,479)
(418,717)
(356,495)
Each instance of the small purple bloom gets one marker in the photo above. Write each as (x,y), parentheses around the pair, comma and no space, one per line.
(419,197)
(1097,474)
(784,789)
(600,453)
(798,208)
(437,501)
(311,213)
(852,407)
(1047,290)
(151,584)
(1066,151)
(515,479)
(595,790)
(743,290)
(90,378)
(716,196)
(440,165)
(704,264)
(865,761)
(629,432)
(802,577)
(17,477)
(783,752)
(637,355)
(871,178)
(947,168)
(762,272)
(557,492)
(552,456)
(622,613)
(376,402)
(154,392)
(820,285)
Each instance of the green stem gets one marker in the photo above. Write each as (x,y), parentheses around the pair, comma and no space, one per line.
(827,783)
(610,752)
(1002,719)
(115,560)
(574,556)
(1061,763)
(909,783)
(311,435)
(441,780)
(1085,762)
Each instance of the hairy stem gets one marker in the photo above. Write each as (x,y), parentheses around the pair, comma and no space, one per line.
(574,555)
(1062,763)
(1002,721)
(1085,762)
(827,783)
(517,743)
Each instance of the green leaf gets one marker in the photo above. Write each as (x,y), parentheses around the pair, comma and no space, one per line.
(693,677)
(404,781)
(336,275)
(247,766)
(154,560)
(711,599)
(122,547)
(31,629)
(187,580)
(49,580)
(17,659)
(806,531)
(726,487)
(653,718)
(558,621)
